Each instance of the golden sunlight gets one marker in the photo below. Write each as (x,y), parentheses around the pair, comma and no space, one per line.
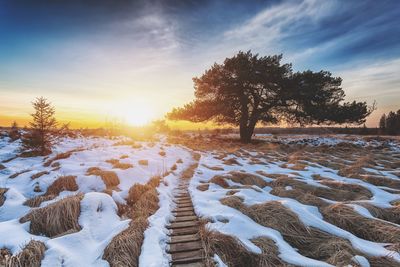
(135,113)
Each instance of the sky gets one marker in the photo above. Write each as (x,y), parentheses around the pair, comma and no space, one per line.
(99,61)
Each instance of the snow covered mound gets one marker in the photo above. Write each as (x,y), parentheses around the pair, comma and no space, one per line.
(321,204)
(75,190)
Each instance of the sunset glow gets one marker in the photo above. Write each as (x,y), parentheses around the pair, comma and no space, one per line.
(93,64)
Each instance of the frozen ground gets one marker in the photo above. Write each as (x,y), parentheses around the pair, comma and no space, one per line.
(313,179)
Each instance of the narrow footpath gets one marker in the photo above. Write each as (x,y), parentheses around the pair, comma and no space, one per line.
(185,245)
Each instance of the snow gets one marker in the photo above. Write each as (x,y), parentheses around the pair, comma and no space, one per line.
(100,222)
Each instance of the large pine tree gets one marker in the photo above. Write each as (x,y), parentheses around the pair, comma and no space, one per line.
(247,89)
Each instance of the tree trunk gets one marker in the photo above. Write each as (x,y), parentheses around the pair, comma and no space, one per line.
(245,133)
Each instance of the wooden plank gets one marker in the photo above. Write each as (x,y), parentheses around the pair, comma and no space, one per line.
(182,247)
(184,238)
(176,225)
(185,205)
(183,209)
(192,264)
(185,231)
(187,256)
(185,219)
(184,214)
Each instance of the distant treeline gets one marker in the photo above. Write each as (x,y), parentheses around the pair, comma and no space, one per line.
(390,124)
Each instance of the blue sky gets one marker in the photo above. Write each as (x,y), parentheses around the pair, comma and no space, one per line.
(100,58)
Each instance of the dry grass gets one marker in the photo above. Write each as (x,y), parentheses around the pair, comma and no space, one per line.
(219,180)
(119,165)
(63,183)
(2,195)
(231,161)
(162,153)
(338,191)
(247,179)
(355,169)
(346,218)
(309,241)
(15,175)
(143,162)
(36,201)
(30,256)
(214,168)
(388,214)
(203,187)
(109,178)
(124,249)
(55,219)
(174,167)
(234,253)
(59,156)
(2,167)
(179,161)
(39,174)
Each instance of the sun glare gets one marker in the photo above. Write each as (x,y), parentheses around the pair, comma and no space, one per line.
(135,114)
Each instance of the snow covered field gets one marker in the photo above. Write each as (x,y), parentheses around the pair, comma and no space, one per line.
(297,200)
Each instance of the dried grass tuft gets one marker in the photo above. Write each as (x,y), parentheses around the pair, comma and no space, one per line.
(346,218)
(124,249)
(219,180)
(2,195)
(143,162)
(109,178)
(15,175)
(36,201)
(63,183)
(55,219)
(247,179)
(31,255)
(39,174)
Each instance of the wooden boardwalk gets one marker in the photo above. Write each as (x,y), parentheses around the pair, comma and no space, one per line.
(185,245)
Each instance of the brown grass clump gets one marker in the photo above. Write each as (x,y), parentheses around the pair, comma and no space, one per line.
(381,181)
(231,161)
(203,187)
(31,255)
(144,162)
(346,218)
(124,249)
(339,192)
(219,180)
(174,167)
(179,161)
(2,197)
(247,179)
(36,201)
(124,157)
(55,219)
(233,253)
(2,167)
(355,169)
(64,155)
(162,153)
(15,175)
(37,175)
(63,183)
(214,168)
(109,178)
(119,165)
(310,241)
(389,214)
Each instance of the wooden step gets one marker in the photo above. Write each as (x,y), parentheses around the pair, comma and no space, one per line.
(185,219)
(184,231)
(184,213)
(183,200)
(183,209)
(184,238)
(192,264)
(185,205)
(176,225)
(182,247)
(187,257)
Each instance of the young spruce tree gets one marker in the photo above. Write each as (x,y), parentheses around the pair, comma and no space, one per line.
(39,139)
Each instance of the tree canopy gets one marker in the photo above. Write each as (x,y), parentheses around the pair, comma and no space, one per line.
(248,89)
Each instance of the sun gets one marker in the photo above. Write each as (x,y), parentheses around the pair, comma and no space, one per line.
(135,113)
